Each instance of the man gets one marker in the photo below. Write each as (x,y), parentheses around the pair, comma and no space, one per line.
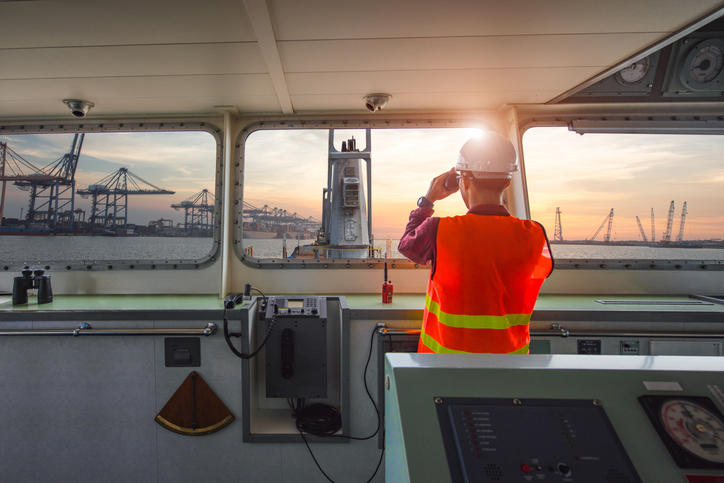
(487,266)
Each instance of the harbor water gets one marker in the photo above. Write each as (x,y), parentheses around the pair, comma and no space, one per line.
(36,249)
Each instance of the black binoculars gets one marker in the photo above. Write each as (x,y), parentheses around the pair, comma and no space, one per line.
(32,279)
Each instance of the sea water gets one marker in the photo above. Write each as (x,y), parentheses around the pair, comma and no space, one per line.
(34,249)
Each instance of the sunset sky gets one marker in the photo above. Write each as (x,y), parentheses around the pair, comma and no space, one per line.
(588,175)
(178,161)
(585,176)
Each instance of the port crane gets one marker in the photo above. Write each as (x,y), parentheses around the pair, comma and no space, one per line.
(276,216)
(669,223)
(198,212)
(680,237)
(109,198)
(609,220)
(52,187)
(14,167)
(558,229)
(641,228)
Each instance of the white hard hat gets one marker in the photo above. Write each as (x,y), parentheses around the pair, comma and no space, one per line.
(488,156)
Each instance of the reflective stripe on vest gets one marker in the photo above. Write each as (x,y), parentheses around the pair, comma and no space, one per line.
(489,270)
(475,321)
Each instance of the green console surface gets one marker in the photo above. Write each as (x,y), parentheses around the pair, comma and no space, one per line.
(416,384)
(403,306)
(117,302)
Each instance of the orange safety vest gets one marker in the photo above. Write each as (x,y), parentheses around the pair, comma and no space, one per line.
(481,292)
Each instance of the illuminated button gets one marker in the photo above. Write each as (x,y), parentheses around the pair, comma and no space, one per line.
(525,468)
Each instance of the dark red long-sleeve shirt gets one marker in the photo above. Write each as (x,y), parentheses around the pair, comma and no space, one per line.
(418,242)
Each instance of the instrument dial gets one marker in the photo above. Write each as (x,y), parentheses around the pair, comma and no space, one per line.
(636,71)
(694,428)
(707,63)
(702,68)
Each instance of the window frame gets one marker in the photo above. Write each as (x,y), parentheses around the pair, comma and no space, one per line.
(705,124)
(128,127)
(327,123)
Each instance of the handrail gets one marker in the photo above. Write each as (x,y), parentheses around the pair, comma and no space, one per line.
(86,329)
(557,330)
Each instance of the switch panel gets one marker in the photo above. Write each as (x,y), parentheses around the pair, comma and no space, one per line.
(182,351)
(589,346)
(629,347)
(556,440)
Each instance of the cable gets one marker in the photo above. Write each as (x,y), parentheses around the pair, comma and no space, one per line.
(324,420)
(260,293)
(301,433)
(227,336)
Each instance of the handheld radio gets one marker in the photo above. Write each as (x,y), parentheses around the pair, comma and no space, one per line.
(387,289)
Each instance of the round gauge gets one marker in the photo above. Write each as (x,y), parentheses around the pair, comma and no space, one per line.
(635,72)
(703,65)
(694,428)
(706,64)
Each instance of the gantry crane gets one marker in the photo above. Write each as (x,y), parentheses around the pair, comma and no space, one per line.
(52,187)
(558,229)
(277,219)
(109,198)
(653,227)
(680,237)
(607,237)
(198,212)
(641,229)
(669,223)
(14,168)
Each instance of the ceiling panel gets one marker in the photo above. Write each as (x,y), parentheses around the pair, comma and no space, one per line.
(223,58)
(334,19)
(145,94)
(185,56)
(460,53)
(124,22)
(417,81)
(111,107)
(421,102)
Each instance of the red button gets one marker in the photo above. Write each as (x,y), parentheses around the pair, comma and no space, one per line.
(525,468)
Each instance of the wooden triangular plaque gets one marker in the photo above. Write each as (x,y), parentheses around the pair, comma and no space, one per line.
(194,409)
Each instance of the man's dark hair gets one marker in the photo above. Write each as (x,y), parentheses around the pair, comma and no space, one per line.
(491,184)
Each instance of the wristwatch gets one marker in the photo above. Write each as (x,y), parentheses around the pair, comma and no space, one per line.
(423,202)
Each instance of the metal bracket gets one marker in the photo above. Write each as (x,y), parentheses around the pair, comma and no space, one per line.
(564,331)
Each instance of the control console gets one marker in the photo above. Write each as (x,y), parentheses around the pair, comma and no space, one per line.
(296,352)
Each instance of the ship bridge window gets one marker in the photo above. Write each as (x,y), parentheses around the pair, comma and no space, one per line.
(306,191)
(625,200)
(104,199)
